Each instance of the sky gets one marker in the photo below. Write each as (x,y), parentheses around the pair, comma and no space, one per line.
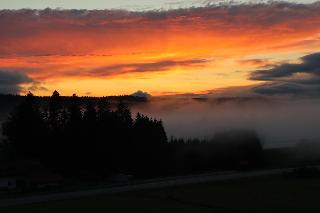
(120,4)
(99,4)
(270,48)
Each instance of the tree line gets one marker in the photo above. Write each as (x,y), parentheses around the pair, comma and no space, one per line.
(96,139)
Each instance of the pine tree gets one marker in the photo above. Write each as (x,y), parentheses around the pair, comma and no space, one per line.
(26,129)
(55,111)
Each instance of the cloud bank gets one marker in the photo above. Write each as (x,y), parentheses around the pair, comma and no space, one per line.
(291,78)
(68,32)
(10,81)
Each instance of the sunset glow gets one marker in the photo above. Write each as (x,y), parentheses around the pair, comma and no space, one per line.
(113,52)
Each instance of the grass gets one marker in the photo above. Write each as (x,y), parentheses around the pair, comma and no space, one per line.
(268,194)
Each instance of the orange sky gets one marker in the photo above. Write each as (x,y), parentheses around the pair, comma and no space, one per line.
(180,51)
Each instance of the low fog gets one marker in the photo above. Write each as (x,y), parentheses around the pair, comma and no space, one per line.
(278,122)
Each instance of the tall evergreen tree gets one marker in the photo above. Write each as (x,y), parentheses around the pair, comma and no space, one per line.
(103,109)
(26,129)
(74,144)
(124,115)
(55,111)
(122,143)
(75,114)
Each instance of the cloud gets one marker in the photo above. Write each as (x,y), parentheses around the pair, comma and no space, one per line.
(141,94)
(309,64)
(255,62)
(158,66)
(37,86)
(285,88)
(10,81)
(291,78)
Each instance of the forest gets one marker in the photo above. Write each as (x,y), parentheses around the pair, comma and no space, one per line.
(94,139)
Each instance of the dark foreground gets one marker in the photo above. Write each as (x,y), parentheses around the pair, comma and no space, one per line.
(276,193)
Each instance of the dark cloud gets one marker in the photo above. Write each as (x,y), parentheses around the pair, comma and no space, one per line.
(309,64)
(37,86)
(287,89)
(291,78)
(118,69)
(141,94)
(10,81)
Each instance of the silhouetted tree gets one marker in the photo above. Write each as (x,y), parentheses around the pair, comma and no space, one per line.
(90,116)
(123,130)
(124,115)
(55,110)
(26,129)
(89,137)
(242,148)
(75,112)
(104,109)
(55,123)
(74,144)
(106,136)
(150,143)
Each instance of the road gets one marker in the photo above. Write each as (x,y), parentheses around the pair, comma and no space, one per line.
(148,184)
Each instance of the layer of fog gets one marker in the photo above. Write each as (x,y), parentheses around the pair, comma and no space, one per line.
(278,122)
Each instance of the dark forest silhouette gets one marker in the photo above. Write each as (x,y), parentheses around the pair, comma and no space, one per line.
(95,139)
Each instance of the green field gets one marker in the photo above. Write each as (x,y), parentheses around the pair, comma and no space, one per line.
(272,194)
